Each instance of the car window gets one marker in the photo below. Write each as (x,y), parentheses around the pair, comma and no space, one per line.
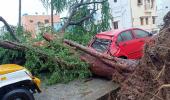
(101,45)
(127,35)
(141,33)
(119,39)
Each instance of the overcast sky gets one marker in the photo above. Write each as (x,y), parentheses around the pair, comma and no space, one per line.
(9,9)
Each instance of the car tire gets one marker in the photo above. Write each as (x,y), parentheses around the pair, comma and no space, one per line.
(18,94)
(123,57)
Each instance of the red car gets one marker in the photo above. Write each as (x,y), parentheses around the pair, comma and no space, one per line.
(126,44)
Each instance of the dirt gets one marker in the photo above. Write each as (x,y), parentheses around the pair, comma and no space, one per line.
(151,79)
(78,90)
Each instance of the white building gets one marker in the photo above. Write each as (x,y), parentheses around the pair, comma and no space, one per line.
(162,9)
(134,13)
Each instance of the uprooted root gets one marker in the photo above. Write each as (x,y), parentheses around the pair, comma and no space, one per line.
(151,79)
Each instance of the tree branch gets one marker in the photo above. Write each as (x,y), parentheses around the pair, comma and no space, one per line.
(74,10)
(83,19)
(87,3)
(23,48)
(94,2)
(9,29)
(81,1)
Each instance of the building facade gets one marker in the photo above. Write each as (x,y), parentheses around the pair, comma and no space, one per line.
(120,11)
(33,23)
(134,13)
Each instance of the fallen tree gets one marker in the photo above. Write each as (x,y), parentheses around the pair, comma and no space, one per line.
(147,80)
(105,65)
(50,58)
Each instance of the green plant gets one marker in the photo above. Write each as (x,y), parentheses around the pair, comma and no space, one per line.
(73,69)
(47,66)
(82,38)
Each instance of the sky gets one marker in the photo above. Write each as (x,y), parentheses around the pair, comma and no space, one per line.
(9,9)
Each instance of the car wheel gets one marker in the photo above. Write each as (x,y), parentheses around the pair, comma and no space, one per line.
(123,57)
(18,94)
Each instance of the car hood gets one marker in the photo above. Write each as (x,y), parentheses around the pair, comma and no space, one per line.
(9,68)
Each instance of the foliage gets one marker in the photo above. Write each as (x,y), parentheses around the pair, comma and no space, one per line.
(106,17)
(59,73)
(60,5)
(79,35)
(47,67)
(81,13)
(84,33)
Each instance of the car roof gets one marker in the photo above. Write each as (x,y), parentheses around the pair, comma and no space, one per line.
(110,32)
(115,32)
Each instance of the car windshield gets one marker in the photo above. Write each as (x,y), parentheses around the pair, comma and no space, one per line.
(101,45)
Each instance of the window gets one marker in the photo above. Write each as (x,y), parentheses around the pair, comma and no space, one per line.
(152,3)
(141,21)
(127,35)
(46,21)
(115,1)
(39,24)
(146,20)
(141,33)
(153,19)
(101,45)
(139,2)
(148,1)
(31,21)
(115,25)
(119,39)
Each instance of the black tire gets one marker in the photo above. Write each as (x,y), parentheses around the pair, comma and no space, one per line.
(123,57)
(18,94)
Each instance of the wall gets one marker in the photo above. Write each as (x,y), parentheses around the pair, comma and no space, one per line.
(121,12)
(141,11)
(31,22)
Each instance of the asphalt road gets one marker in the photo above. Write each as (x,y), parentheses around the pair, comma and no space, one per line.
(77,90)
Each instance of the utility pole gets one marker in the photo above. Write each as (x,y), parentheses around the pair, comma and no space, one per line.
(52,20)
(19,17)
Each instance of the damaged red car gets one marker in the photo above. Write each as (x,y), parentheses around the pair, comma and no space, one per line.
(127,44)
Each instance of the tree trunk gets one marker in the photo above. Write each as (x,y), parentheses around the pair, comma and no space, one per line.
(52,16)
(119,64)
(19,16)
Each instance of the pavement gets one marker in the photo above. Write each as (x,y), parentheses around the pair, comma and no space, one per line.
(77,90)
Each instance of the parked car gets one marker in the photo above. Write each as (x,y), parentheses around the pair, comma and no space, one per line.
(128,43)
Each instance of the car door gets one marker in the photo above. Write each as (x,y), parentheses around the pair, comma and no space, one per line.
(126,44)
(141,37)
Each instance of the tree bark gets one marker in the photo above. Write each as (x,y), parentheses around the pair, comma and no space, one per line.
(119,64)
